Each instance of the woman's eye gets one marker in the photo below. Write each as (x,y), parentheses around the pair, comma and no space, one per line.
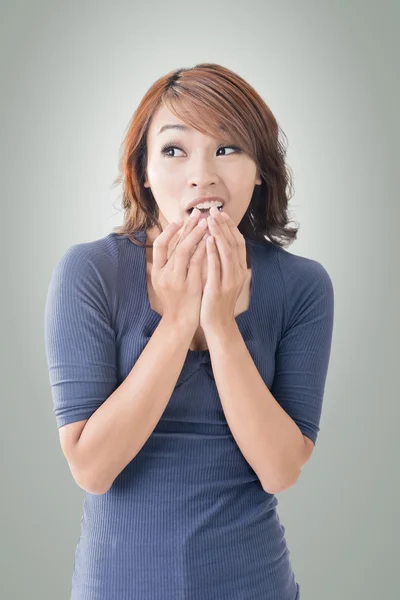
(225,147)
(167,149)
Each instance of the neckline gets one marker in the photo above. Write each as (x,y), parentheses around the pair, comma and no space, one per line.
(156,316)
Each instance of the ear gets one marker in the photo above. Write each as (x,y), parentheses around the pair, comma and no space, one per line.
(258,179)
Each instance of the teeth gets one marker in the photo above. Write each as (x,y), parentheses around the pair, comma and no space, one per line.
(207,205)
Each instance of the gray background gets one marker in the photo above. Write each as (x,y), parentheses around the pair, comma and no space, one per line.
(72,73)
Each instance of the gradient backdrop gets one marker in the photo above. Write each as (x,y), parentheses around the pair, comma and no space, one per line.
(72,74)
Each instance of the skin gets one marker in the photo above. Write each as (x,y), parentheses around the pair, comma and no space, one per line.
(196,167)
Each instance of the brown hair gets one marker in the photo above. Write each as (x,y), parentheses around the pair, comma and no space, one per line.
(208,96)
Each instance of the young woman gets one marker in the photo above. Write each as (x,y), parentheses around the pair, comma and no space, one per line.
(188,371)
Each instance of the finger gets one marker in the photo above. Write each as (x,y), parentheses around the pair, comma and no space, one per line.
(185,249)
(238,238)
(214,265)
(174,241)
(161,243)
(186,229)
(222,219)
(227,255)
(196,262)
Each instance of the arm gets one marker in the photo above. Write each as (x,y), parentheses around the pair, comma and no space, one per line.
(269,439)
(119,428)
(102,422)
(276,429)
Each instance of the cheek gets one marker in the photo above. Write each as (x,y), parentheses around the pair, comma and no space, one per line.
(237,180)
(166,190)
(169,185)
(244,172)
(241,190)
(159,172)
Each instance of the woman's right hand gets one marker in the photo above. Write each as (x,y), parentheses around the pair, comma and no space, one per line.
(176,273)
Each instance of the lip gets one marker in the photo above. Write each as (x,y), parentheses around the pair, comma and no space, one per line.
(200,199)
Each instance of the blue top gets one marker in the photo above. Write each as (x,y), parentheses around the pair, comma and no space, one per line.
(187,518)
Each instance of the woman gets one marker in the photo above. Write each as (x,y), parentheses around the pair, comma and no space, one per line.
(188,375)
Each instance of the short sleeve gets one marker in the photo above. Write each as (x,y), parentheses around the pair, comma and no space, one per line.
(79,337)
(303,352)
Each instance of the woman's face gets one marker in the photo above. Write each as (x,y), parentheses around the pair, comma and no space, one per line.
(197,165)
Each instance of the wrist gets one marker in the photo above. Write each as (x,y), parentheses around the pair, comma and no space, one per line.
(221,331)
(181,328)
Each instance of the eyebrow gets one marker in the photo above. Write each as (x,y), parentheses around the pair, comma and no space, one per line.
(181,127)
(174,126)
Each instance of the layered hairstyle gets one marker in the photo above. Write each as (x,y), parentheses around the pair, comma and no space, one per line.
(210,97)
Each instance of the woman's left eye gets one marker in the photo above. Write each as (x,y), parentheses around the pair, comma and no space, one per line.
(165,149)
(234,148)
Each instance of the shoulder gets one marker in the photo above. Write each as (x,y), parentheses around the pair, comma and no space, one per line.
(87,271)
(306,283)
(301,270)
(293,270)
(81,258)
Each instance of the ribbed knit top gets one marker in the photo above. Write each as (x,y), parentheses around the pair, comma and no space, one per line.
(187,518)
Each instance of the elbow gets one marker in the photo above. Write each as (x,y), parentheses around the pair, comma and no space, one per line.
(270,488)
(96,485)
(88,483)
(289,474)
(279,486)
(275,489)
(92,488)
(83,474)
(97,491)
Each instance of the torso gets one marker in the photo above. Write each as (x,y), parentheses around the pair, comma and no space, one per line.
(199,341)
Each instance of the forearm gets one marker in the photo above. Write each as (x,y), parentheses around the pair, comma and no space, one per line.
(268,438)
(119,428)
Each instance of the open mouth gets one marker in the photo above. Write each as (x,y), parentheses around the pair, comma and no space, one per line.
(204,211)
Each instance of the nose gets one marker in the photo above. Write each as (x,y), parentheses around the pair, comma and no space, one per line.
(202,173)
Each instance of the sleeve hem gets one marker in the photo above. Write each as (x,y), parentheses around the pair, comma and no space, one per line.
(73,418)
(312,435)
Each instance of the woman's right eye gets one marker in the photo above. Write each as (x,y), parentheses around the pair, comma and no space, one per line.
(166,149)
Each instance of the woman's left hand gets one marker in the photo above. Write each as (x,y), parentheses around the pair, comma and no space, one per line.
(227,271)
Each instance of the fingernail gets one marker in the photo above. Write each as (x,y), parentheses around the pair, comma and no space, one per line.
(214,211)
(195,212)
